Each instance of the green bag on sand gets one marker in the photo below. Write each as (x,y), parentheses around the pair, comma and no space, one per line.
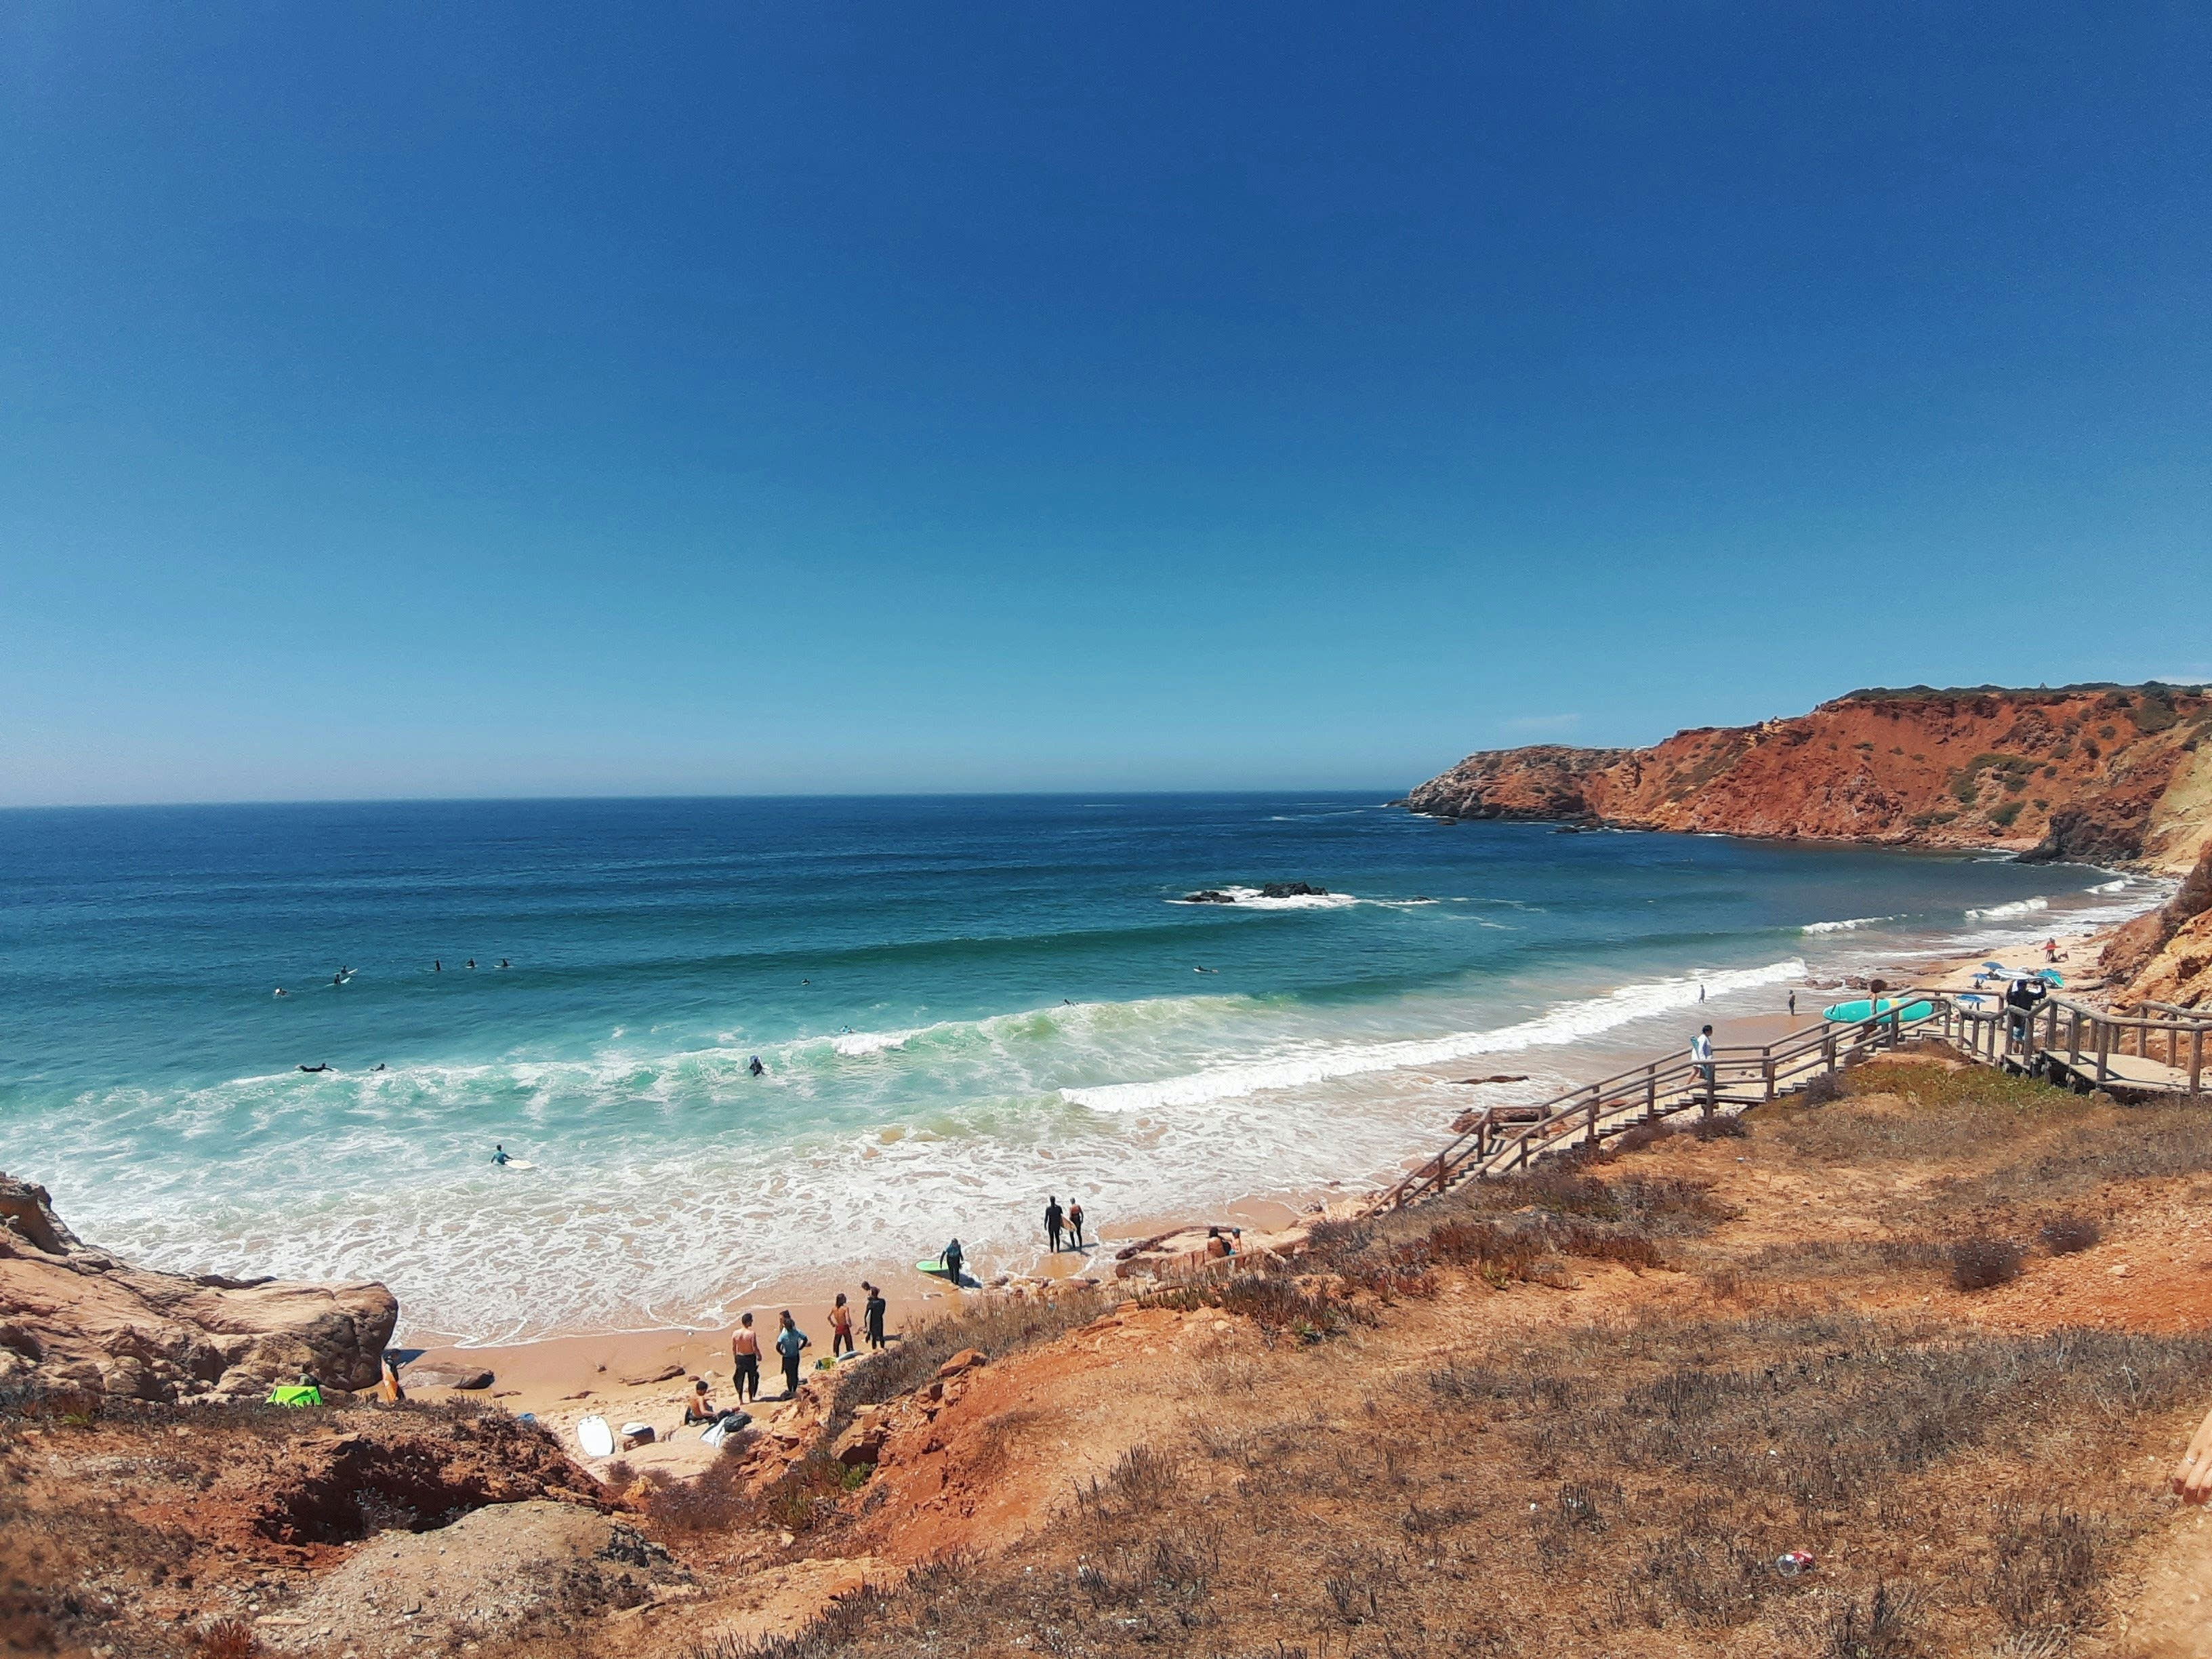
(295,1394)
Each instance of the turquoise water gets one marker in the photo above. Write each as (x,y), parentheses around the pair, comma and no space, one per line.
(961,1005)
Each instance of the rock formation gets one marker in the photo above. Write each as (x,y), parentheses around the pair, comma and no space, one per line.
(2104,773)
(2167,955)
(73,1318)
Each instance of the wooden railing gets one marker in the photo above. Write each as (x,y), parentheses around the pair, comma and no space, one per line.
(2059,1037)
(2091,1045)
(1737,1076)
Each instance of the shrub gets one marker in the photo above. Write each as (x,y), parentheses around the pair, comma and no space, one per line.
(1825,1089)
(2066,1234)
(1979,1264)
(1717,1128)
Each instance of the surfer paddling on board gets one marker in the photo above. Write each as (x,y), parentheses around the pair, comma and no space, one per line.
(499,1154)
(745,1353)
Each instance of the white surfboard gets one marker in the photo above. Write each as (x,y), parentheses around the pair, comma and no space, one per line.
(519,1164)
(597,1439)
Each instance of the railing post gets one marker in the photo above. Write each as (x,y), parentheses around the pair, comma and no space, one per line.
(1597,1102)
(2196,1060)
(1767,1065)
(2104,1048)
(1651,1093)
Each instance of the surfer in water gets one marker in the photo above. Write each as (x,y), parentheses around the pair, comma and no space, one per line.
(499,1155)
(952,1258)
(436,966)
(324,1066)
(755,1067)
(502,962)
(471,963)
(282,992)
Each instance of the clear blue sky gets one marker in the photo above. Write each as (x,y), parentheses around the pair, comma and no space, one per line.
(544,399)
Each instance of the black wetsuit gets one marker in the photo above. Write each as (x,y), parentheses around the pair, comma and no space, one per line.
(872,1319)
(1053,1218)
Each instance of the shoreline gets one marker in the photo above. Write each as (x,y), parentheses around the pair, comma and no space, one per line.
(646,1375)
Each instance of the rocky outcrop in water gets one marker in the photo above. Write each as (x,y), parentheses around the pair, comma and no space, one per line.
(73,1318)
(2109,774)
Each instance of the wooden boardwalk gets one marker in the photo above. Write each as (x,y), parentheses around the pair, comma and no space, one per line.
(2067,1042)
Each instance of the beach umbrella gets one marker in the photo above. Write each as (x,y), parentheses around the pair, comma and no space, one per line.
(1994,967)
(1968,996)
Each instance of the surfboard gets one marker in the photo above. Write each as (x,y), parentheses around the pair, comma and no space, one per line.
(933,1267)
(519,1164)
(597,1439)
(1864,1009)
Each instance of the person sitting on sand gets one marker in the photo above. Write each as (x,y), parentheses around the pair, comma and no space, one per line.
(1218,1249)
(699,1410)
(841,1327)
(790,1342)
(872,1315)
(744,1349)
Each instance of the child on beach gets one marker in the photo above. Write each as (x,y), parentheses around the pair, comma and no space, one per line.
(790,1342)
(744,1349)
(873,1315)
(841,1327)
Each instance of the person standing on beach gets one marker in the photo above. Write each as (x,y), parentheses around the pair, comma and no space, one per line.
(872,1315)
(952,1258)
(1053,1218)
(841,1327)
(1075,1220)
(745,1350)
(790,1342)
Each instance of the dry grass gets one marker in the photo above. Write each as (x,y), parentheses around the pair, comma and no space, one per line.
(1623,1488)
(1628,1486)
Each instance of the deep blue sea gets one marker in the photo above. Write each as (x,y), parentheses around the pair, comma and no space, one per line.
(960,1003)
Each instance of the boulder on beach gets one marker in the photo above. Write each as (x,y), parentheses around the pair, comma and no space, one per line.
(75,1319)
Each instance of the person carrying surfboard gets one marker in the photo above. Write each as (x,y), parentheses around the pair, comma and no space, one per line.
(1075,1221)
(745,1350)
(790,1342)
(952,1259)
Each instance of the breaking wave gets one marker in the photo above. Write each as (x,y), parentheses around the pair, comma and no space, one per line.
(1567,1023)
(2017,908)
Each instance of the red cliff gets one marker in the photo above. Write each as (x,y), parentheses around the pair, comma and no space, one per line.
(2107,773)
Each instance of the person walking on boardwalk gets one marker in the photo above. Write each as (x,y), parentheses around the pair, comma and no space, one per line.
(1701,1054)
(790,1342)
(841,1327)
(872,1319)
(744,1351)
(1053,1219)
(1075,1220)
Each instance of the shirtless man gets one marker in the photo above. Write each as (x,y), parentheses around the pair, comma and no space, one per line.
(745,1350)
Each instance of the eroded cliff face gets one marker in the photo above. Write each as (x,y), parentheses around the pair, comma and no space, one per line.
(2111,775)
(75,1318)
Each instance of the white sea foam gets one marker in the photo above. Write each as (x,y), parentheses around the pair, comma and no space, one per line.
(2017,908)
(1250,898)
(2119,886)
(857,1043)
(1855,923)
(1321,1062)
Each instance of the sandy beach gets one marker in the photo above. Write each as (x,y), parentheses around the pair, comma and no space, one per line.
(646,1376)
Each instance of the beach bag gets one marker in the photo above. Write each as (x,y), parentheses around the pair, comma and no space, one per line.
(295,1394)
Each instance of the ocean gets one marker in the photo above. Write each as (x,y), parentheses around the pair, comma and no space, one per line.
(960,1005)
